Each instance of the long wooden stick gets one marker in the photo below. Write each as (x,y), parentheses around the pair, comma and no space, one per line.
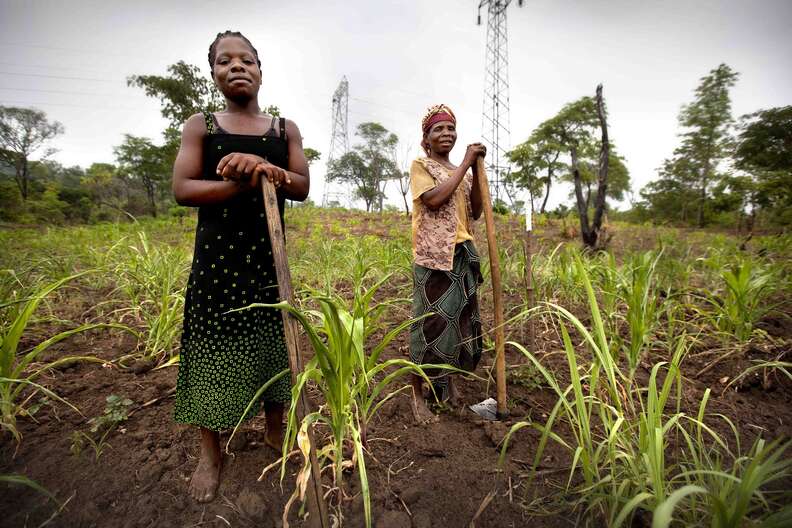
(316,506)
(497,289)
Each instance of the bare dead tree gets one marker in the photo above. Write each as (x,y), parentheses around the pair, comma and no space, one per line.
(404,179)
(590,231)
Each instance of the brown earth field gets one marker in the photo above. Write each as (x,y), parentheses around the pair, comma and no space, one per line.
(431,475)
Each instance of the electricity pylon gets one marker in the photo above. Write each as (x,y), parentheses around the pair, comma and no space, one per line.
(495,111)
(339,143)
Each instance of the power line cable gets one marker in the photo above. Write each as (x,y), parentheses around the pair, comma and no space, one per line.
(67,92)
(94,107)
(44,67)
(83,51)
(61,77)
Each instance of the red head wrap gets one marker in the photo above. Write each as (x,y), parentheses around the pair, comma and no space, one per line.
(435,114)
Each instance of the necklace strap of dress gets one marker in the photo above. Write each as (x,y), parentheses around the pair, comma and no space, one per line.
(283,128)
(271,131)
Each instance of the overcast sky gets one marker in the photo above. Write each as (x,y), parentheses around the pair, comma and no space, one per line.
(71,59)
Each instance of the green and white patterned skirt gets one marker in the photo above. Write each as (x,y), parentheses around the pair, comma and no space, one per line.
(452,334)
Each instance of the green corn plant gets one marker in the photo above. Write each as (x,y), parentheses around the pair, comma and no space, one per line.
(674,269)
(22,480)
(348,379)
(339,368)
(621,436)
(318,267)
(778,366)
(398,257)
(736,493)
(516,267)
(325,263)
(639,294)
(580,403)
(726,487)
(153,279)
(366,271)
(361,263)
(512,261)
(745,299)
(15,375)
(13,293)
(777,246)
(606,277)
(557,275)
(720,255)
(363,305)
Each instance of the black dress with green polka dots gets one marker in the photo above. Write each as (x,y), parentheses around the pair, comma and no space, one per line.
(227,357)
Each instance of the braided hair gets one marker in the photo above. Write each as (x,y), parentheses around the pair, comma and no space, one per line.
(225,34)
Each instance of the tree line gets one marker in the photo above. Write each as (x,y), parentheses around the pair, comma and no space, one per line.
(43,190)
(138,183)
(724,171)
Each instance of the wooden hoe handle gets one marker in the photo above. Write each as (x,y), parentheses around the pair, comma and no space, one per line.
(497,289)
(316,506)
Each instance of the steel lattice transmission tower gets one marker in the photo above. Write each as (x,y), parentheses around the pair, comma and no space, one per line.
(495,111)
(339,141)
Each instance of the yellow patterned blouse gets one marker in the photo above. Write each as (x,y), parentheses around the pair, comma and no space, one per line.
(435,233)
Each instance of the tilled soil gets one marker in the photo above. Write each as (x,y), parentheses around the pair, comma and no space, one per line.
(436,474)
(433,475)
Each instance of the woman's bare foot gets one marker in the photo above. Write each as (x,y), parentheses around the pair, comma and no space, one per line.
(454,396)
(206,478)
(421,411)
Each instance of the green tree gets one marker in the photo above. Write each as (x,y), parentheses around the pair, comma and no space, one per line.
(368,166)
(183,92)
(538,163)
(670,197)
(23,132)
(705,141)
(351,168)
(731,198)
(764,152)
(66,183)
(574,131)
(765,141)
(107,186)
(48,208)
(618,176)
(311,155)
(142,162)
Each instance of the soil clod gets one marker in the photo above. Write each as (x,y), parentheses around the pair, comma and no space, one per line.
(142,366)
(394,519)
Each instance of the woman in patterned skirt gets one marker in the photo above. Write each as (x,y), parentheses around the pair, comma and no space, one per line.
(226,357)
(446,200)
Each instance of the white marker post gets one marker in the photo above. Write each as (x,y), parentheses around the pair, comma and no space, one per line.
(528,217)
(529,289)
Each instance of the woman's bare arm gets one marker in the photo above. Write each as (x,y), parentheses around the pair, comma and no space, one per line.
(188,187)
(298,181)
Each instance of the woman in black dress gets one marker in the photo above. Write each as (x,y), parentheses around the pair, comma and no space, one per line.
(226,357)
